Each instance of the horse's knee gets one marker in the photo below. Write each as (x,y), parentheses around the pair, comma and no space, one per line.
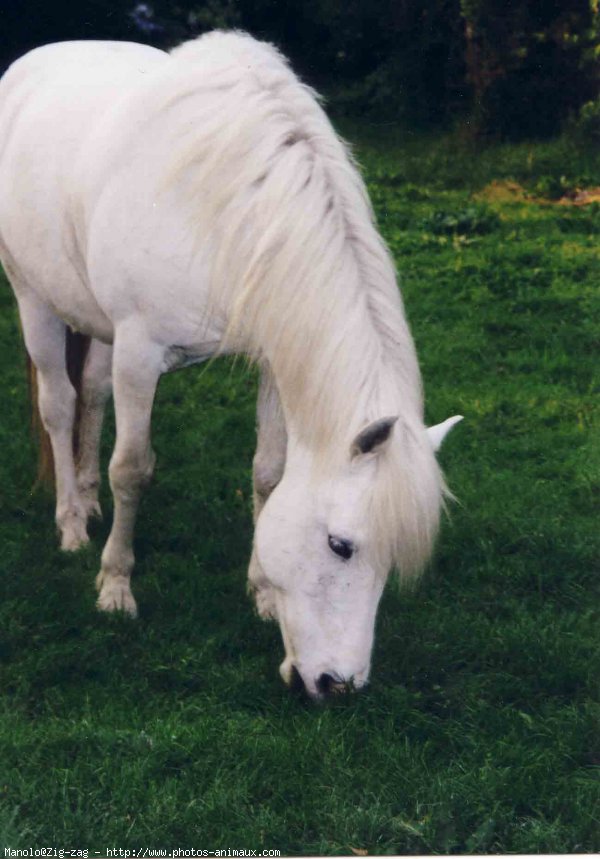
(57,405)
(130,471)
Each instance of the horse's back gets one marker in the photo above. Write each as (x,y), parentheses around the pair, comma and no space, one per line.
(138,183)
(51,102)
(60,91)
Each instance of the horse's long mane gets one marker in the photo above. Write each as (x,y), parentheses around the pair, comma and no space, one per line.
(284,227)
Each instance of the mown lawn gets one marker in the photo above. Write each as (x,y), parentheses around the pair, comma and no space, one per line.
(481,729)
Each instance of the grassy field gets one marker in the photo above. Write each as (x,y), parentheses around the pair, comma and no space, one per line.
(480,731)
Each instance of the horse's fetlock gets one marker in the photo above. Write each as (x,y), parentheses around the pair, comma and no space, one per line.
(71,521)
(88,484)
(88,481)
(66,513)
(116,565)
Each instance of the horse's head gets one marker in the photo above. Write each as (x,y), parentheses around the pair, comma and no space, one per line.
(324,555)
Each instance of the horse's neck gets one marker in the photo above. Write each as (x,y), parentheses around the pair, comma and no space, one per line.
(345,383)
(338,343)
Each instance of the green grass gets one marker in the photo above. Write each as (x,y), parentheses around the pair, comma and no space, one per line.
(481,729)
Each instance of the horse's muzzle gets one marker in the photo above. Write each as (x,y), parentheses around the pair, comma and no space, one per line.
(327,686)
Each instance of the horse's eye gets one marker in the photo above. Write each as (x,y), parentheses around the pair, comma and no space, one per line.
(343,548)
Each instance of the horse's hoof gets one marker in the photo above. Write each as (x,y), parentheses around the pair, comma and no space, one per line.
(115,595)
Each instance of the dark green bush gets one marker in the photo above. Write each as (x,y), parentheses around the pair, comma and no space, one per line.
(510,69)
(585,128)
(472,221)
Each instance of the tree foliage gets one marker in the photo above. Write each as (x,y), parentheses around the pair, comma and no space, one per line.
(509,68)
(531,63)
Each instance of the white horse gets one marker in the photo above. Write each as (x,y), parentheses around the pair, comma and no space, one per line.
(176,206)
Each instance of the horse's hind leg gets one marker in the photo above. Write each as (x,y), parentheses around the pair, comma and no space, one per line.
(137,365)
(45,336)
(96,388)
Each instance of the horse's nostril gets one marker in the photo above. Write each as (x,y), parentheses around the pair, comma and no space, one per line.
(329,684)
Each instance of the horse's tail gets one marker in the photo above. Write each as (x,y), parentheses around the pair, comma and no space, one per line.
(76,349)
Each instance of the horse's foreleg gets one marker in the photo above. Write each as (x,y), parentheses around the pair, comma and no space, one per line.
(269,459)
(267,471)
(45,335)
(136,369)
(95,390)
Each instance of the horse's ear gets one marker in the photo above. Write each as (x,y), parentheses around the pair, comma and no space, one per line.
(374,437)
(438,433)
